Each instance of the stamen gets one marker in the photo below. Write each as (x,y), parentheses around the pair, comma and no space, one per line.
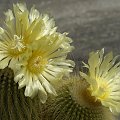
(36,63)
(17,43)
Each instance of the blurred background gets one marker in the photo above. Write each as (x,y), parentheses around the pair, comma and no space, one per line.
(92,24)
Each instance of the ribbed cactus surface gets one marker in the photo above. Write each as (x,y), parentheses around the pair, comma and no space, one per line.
(13,103)
(66,107)
(63,107)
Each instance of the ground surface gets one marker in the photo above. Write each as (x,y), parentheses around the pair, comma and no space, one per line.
(92,24)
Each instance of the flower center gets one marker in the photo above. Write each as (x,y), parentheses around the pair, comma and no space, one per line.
(36,63)
(102,91)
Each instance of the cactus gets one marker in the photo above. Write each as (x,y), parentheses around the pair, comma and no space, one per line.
(13,103)
(72,104)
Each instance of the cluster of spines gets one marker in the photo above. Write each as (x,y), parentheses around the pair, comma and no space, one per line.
(63,107)
(13,103)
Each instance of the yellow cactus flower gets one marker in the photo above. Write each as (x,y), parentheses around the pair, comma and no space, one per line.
(22,27)
(104,79)
(46,64)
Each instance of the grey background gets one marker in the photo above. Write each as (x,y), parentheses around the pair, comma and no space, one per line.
(92,24)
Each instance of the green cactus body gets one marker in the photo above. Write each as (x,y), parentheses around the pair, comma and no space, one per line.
(13,103)
(66,107)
